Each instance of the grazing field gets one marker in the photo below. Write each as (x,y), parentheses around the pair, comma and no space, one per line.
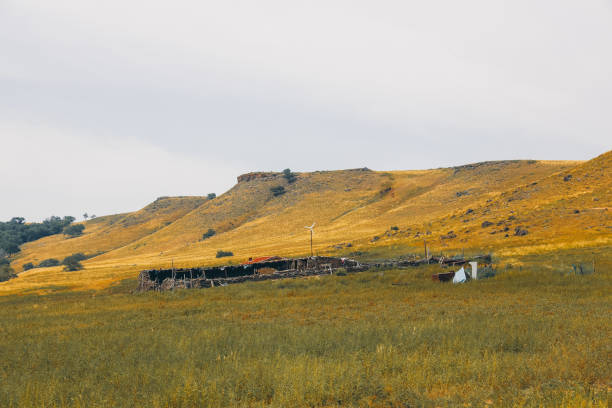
(531,336)
(537,334)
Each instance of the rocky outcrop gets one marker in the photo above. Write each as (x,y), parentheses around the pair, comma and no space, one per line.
(257,175)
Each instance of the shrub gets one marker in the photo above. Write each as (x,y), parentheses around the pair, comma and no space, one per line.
(208,234)
(211,196)
(519,232)
(74,230)
(73,262)
(28,266)
(486,224)
(394,228)
(48,263)
(278,190)
(223,254)
(289,176)
(449,235)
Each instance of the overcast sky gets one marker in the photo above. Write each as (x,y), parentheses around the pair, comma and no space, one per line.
(105,106)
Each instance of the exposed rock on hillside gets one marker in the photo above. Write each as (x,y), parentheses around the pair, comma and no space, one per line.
(257,175)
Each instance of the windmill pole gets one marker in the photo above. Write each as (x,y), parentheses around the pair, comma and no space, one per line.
(311,253)
(311,228)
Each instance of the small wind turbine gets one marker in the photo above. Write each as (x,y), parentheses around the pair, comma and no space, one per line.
(311,228)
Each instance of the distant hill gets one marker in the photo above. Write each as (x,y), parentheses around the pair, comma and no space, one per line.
(508,207)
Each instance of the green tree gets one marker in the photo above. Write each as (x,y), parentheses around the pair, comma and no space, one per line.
(73,262)
(6,272)
(79,256)
(211,196)
(28,266)
(289,176)
(74,230)
(16,231)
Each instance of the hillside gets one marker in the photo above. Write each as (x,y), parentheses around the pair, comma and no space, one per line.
(557,204)
(104,234)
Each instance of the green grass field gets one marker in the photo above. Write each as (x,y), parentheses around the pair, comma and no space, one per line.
(531,336)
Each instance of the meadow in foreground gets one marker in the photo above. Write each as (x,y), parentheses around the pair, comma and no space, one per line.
(524,338)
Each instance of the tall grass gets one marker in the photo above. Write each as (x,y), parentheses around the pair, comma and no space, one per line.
(535,338)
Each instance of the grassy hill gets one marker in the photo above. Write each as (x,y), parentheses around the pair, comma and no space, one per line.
(537,334)
(511,208)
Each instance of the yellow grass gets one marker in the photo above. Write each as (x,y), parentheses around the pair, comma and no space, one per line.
(528,337)
(349,207)
(537,334)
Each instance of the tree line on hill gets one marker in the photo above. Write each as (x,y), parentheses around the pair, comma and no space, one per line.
(16,231)
(6,272)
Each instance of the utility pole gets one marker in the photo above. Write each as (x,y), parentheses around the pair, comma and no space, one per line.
(425,247)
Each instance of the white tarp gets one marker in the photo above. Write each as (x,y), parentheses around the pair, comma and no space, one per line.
(459,276)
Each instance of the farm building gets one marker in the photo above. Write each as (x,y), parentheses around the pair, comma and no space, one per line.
(253,270)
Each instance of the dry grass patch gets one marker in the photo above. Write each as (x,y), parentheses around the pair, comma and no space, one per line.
(534,337)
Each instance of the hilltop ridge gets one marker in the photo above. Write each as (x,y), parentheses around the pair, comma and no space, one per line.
(502,206)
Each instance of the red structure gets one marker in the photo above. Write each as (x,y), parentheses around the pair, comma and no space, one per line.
(262,259)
